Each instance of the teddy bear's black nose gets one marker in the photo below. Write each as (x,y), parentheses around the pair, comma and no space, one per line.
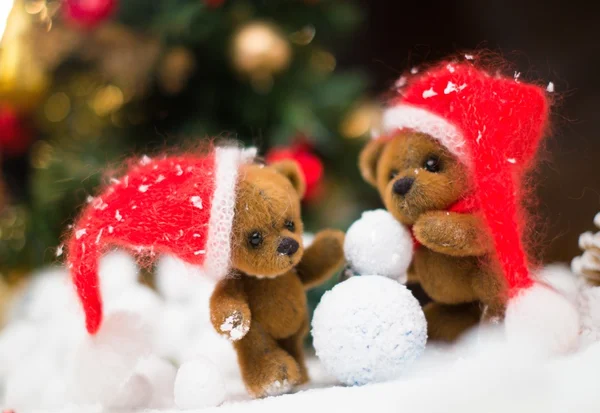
(288,246)
(403,185)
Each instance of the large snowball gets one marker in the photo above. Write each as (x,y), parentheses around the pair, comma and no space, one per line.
(368,329)
(378,244)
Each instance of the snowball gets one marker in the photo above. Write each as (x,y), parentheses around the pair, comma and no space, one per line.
(541,321)
(368,329)
(378,244)
(118,271)
(104,363)
(160,376)
(182,282)
(135,393)
(199,384)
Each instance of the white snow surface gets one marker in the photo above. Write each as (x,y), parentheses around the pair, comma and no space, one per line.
(48,364)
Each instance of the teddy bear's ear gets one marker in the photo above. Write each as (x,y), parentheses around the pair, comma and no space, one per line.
(291,170)
(369,157)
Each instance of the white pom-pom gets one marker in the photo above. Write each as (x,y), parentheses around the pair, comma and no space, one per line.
(368,329)
(378,244)
(541,320)
(199,384)
(104,363)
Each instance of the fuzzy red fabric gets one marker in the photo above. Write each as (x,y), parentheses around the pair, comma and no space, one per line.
(159,206)
(494,125)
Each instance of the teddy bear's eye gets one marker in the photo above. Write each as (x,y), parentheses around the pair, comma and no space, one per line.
(393,174)
(255,239)
(290,226)
(432,164)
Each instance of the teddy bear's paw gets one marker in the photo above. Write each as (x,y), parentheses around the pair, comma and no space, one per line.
(235,326)
(278,376)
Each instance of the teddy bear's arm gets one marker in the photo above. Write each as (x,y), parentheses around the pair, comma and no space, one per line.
(322,258)
(229,310)
(451,233)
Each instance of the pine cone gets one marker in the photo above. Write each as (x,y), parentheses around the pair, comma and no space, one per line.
(588,264)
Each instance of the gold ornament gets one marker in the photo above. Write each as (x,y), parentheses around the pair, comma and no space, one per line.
(259,49)
(361,120)
(23,80)
(175,69)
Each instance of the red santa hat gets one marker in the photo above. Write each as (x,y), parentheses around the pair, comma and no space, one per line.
(493,125)
(180,205)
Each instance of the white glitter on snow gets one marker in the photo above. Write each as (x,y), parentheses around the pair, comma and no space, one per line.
(118,216)
(429,93)
(550,87)
(196,201)
(80,233)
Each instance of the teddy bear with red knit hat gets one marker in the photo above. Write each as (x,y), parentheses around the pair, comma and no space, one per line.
(450,162)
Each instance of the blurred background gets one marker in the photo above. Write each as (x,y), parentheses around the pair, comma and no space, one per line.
(86,83)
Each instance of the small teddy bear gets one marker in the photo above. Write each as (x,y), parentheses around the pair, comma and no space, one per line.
(261,305)
(450,163)
(239,220)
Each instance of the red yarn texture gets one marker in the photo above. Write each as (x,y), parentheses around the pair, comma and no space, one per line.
(158,206)
(502,122)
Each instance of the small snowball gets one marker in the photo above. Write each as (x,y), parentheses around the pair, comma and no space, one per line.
(378,244)
(429,93)
(550,87)
(134,394)
(199,384)
(103,363)
(368,329)
(160,374)
(118,273)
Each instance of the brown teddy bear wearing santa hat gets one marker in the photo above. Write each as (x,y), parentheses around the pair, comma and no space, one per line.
(450,163)
(238,219)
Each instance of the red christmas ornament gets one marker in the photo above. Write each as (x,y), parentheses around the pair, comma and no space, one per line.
(214,3)
(15,137)
(88,13)
(310,164)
